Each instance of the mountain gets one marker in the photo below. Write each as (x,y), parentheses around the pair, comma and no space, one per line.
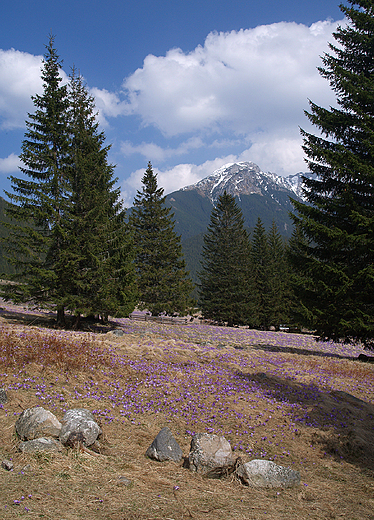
(259,194)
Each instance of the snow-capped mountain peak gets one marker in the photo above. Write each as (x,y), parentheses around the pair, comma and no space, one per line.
(244,178)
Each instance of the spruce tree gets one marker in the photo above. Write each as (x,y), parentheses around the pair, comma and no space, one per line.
(162,278)
(260,260)
(39,202)
(225,288)
(278,285)
(99,273)
(337,256)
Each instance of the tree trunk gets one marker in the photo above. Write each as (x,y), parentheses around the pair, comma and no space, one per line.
(61,317)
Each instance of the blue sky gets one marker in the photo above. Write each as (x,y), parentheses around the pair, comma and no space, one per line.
(189,85)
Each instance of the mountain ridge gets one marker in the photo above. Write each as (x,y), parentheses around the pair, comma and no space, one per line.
(244,178)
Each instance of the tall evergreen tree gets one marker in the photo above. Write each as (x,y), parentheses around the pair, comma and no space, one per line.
(99,274)
(338,223)
(162,278)
(225,288)
(260,259)
(278,284)
(40,201)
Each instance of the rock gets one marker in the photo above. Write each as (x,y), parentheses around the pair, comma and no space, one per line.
(118,332)
(124,481)
(37,422)
(7,464)
(41,444)
(79,427)
(210,455)
(267,474)
(3,396)
(164,447)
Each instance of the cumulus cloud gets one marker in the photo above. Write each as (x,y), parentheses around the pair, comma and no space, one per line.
(174,178)
(19,80)
(245,81)
(157,153)
(10,164)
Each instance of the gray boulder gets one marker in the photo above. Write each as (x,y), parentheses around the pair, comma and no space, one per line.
(37,422)
(3,396)
(164,447)
(41,444)
(79,427)
(267,474)
(210,455)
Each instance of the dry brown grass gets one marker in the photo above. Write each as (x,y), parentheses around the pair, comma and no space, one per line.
(74,485)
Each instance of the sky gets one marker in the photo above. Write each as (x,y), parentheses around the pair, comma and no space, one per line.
(189,85)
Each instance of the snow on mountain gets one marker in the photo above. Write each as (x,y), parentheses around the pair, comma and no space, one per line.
(245,178)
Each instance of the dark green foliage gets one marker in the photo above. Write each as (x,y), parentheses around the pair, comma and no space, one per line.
(335,259)
(278,283)
(225,288)
(192,211)
(6,269)
(69,242)
(162,278)
(99,274)
(269,269)
(260,257)
(39,203)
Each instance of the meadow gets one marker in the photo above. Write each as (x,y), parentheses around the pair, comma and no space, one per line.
(284,397)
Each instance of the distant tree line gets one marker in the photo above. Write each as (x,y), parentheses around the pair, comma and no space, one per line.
(73,246)
(244,281)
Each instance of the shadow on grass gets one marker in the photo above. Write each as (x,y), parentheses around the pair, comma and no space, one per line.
(345,423)
(301,351)
(47,319)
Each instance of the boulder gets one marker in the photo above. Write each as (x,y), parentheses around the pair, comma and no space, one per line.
(164,447)
(37,422)
(210,455)
(41,444)
(7,464)
(79,427)
(267,474)
(3,396)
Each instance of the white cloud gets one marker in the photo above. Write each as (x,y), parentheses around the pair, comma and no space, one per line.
(19,80)
(10,164)
(174,178)
(154,152)
(245,81)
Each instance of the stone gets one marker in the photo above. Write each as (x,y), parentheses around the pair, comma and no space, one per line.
(267,474)
(210,455)
(79,427)
(118,332)
(124,481)
(42,444)
(7,464)
(37,422)
(164,447)
(3,396)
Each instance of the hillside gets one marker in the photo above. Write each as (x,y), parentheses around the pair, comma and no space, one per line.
(258,194)
(273,396)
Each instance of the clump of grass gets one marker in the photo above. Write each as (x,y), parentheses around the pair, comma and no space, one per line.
(50,348)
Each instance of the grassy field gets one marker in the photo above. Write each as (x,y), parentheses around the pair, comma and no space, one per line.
(278,396)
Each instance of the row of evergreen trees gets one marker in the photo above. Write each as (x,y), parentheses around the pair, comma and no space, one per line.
(243,281)
(70,244)
(70,241)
